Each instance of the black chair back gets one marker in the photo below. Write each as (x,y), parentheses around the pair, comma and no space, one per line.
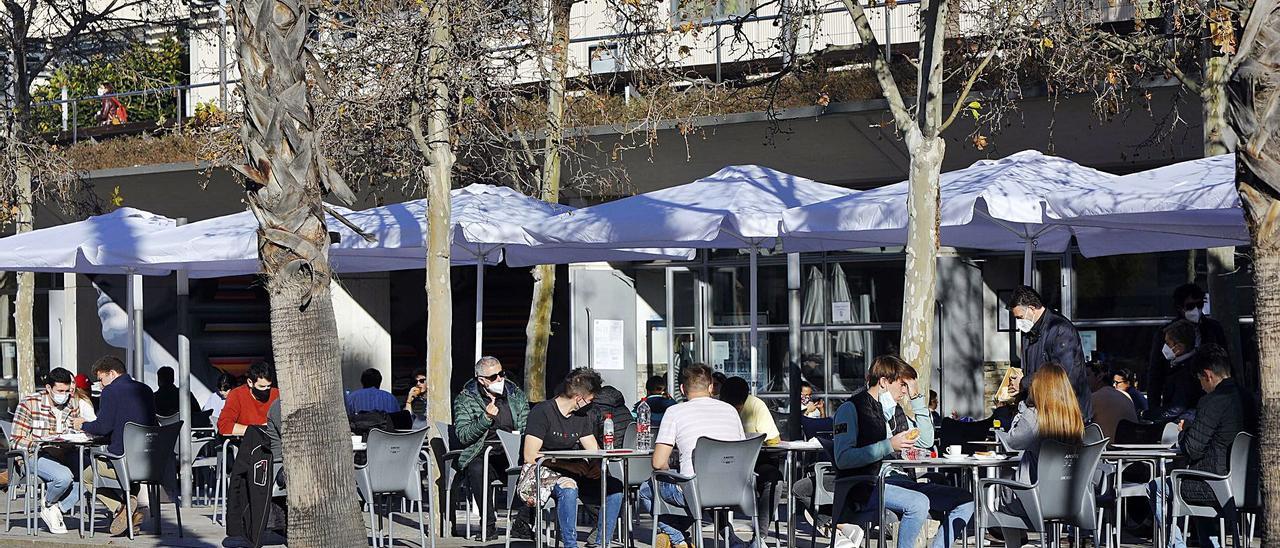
(1064,482)
(956,432)
(148,450)
(1129,432)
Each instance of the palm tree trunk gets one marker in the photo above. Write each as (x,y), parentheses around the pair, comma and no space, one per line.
(287,177)
(1252,109)
(538,330)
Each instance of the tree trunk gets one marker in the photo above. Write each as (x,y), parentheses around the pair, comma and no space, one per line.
(1219,138)
(538,330)
(919,293)
(24,323)
(287,177)
(919,284)
(1254,113)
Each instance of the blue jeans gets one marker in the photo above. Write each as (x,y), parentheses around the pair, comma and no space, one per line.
(673,526)
(912,508)
(60,487)
(1205,528)
(567,510)
(956,503)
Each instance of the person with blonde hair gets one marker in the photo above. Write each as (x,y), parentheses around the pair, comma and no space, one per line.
(1050,412)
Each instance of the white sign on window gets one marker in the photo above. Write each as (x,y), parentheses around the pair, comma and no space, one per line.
(607,344)
(1089,343)
(841,312)
(719,352)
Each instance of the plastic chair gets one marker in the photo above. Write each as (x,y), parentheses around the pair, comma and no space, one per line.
(1062,494)
(449,475)
(725,480)
(1224,487)
(867,518)
(392,469)
(1129,432)
(16,460)
(169,419)
(1092,433)
(954,432)
(511,448)
(148,459)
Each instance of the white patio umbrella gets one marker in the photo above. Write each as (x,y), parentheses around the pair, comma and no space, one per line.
(487,225)
(993,204)
(74,247)
(1187,205)
(738,207)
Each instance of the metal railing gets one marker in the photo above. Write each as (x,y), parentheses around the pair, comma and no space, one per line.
(180,91)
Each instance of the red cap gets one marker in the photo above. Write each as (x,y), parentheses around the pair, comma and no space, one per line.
(82,382)
(608,415)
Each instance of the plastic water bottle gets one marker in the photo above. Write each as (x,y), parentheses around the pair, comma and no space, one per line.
(608,431)
(644,436)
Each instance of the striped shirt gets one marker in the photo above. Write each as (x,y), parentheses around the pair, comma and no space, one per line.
(708,417)
(37,418)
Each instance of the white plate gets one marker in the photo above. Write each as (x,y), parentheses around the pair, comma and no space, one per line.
(954,457)
(989,457)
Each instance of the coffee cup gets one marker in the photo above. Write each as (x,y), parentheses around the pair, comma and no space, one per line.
(955,450)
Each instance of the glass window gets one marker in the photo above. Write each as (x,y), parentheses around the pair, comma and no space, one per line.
(730,300)
(1134,286)
(1126,347)
(683,297)
(851,355)
(866,292)
(1050,273)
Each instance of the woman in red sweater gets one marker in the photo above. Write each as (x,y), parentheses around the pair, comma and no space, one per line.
(247,405)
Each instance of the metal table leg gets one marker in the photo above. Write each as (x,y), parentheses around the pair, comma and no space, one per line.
(979,532)
(537,503)
(791,499)
(604,500)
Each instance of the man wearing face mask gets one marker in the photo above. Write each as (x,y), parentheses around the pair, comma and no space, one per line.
(1049,337)
(46,413)
(1174,390)
(487,404)
(124,400)
(1188,304)
(247,405)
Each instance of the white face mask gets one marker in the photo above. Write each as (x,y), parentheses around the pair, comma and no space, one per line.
(61,399)
(1193,315)
(887,403)
(1024,325)
(1168,352)
(497,386)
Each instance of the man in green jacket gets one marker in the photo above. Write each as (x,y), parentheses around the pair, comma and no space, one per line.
(487,404)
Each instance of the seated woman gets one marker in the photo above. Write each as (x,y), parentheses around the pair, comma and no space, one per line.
(1050,412)
(564,423)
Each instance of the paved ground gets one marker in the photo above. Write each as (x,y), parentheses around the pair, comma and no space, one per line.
(200,531)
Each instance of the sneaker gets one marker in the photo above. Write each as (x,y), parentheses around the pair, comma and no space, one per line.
(849,536)
(664,541)
(119,523)
(52,516)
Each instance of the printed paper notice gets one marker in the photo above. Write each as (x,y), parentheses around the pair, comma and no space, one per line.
(841,312)
(1088,343)
(607,344)
(719,352)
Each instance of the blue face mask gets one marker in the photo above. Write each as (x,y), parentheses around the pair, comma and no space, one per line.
(888,404)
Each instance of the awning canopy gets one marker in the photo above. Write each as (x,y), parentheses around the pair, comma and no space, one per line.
(74,247)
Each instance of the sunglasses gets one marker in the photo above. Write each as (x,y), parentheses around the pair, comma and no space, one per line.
(421,380)
(1193,306)
(493,377)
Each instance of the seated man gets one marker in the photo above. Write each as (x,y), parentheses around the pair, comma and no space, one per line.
(124,400)
(1110,405)
(371,398)
(756,419)
(564,423)
(487,404)
(871,427)
(700,416)
(1225,410)
(247,404)
(46,413)
(416,402)
(656,396)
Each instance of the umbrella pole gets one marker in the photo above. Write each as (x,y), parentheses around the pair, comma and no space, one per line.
(794,309)
(754,306)
(184,387)
(479,308)
(136,334)
(1028,261)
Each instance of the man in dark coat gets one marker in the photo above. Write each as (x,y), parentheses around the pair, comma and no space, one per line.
(1047,337)
(1188,304)
(1225,410)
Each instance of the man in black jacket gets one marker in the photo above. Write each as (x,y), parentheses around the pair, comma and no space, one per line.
(1188,304)
(1226,410)
(124,400)
(1049,337)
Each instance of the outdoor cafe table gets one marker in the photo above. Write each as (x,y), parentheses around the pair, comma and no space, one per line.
(1156,454)
(790,448)
(602,455)
(974,465)
(81,445)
